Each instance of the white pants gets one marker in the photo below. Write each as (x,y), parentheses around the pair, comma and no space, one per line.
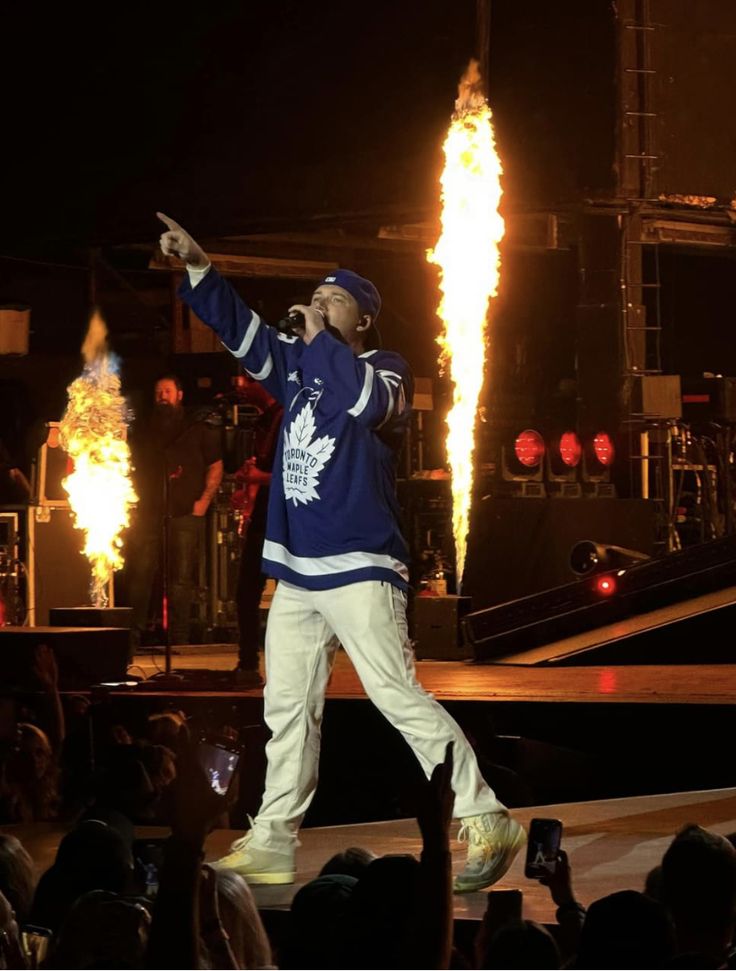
(369,620)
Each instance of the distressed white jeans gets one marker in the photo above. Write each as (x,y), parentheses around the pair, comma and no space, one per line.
(369,620)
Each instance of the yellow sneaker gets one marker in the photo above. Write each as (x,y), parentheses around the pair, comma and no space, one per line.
(258,865)
(493,840)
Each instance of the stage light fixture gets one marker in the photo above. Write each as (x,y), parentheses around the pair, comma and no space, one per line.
(588,558)
(605,585)
(563,458)
(523,464)
(604,449)
(570,449)
(529,448)
(599,455)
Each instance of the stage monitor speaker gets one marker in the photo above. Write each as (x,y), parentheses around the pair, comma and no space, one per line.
(58,574)
(657,396)
(437,634)
(91,617)
(709,399)
(85,656)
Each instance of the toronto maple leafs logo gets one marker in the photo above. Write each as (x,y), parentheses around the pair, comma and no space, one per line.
(304,457)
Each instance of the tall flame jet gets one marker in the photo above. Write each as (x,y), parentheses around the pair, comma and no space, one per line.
(467,254)
(93,432)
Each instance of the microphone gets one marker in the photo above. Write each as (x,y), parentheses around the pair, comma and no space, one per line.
(292,324)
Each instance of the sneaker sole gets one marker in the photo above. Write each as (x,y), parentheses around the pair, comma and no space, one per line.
(274,877)
(266,878)
(459,886)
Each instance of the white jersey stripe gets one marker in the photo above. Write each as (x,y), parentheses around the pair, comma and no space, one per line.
(390,409)
(250,336)
(313,566)
(264,372)
(359,406)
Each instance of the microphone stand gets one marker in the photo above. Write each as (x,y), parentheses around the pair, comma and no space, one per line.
(165,557)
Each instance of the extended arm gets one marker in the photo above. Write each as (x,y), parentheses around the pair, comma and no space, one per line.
(211,485)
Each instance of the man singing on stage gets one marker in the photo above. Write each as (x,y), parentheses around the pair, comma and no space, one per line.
(333,543)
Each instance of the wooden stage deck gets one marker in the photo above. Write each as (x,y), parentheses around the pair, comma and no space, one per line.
(612,846)
(698,684)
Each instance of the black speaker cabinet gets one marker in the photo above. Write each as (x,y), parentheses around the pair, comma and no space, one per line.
(85,656)
(437,634)
(709,399)
(90,617)
(58,572)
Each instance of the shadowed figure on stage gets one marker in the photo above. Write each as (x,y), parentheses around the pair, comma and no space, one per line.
(178,469)
(251,502)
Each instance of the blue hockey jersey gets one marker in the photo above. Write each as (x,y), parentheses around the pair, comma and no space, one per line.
(333,514)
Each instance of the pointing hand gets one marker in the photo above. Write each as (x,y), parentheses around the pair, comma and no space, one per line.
(177,242)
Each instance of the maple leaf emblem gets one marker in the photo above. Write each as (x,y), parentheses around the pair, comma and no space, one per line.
(304,458)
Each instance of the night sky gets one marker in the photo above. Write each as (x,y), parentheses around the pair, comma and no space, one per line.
(226,115)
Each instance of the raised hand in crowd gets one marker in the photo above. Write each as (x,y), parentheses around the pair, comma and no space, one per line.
(435,805)
(430,944)
(194,808)
(570,913)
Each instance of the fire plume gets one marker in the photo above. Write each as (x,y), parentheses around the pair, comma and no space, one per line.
(94,434)
(467,254)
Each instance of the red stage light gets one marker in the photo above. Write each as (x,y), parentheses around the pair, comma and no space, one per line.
(603,448)
(605,585)
(570,449)
(529,448)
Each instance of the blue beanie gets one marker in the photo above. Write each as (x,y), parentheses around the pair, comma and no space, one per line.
(366,295)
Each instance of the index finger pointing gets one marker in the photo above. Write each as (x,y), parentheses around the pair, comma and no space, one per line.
(169,222)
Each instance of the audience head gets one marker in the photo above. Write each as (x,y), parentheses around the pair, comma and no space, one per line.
(93,856)
(16,876)
(318,924)
(521,944)
(241,920)
(102,930)
(380,911)
(353,862)
(32,775)
(626,930)
(169,728)
(699,888)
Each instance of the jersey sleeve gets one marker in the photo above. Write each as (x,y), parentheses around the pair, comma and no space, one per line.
(260,348)
(375,391)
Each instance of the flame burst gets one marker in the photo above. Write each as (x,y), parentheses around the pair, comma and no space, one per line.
(93,432)
(467,254)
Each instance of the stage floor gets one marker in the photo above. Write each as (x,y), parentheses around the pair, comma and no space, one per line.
(700,684)
(612,845)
